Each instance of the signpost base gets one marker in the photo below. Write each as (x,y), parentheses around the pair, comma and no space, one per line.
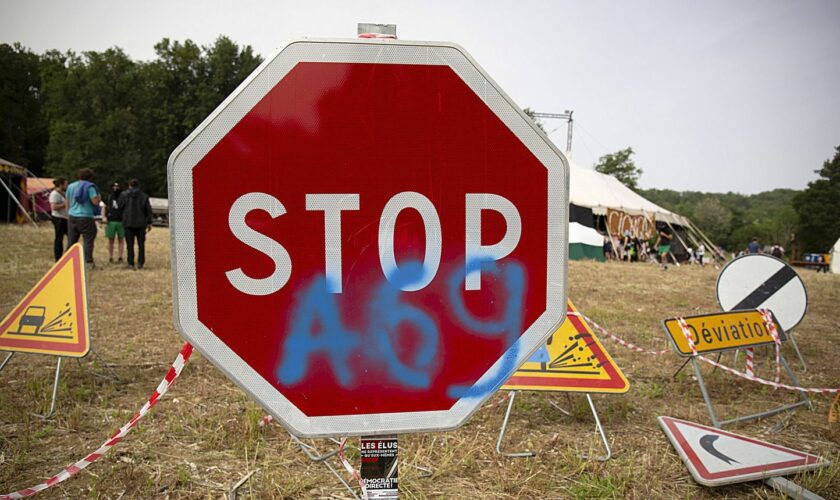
(791,489)
(54,392)
(313,454)
(720,423)
(798,352)
(598,427)
(6,361)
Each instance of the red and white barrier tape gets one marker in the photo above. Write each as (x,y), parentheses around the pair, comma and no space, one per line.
(771,327)
(618,339)
(684,328)
(499,401)
(353,472)
(75,468)
(750,370)
(378,35)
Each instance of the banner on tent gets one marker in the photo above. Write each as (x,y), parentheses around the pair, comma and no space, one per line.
(640,226)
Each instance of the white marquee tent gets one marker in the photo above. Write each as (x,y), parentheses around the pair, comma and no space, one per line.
(598,192)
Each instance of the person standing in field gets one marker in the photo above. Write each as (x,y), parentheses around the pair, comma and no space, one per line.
(58,207)
(82,196)
(114,226)
(754,246)
(137,221)
(701,254)
(664,244)
(777,251)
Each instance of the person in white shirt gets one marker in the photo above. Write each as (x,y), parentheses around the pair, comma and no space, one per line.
(701,253)
(58,205)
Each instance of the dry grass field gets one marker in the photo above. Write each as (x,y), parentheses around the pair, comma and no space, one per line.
(205,435)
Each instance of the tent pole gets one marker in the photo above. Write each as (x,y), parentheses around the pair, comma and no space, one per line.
(706,238)
(712,249)
(685,247)
(612,243)
(17,202)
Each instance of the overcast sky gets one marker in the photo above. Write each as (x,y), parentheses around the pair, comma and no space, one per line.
(713,96)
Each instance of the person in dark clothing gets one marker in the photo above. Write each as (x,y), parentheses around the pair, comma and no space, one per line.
(664,244)
(58,205)
(114,229)
(137,221)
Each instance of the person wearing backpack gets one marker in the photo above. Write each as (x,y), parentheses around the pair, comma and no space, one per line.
(777,251)
(137,221)
(83,196)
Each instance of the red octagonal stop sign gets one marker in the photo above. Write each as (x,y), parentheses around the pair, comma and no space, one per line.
(368,236)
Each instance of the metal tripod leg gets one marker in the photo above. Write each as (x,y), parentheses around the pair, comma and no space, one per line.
(6,361)
(313,454)
(798,353)
(310,451)
(600,430)
(105,364)
(502,433)
(54,391)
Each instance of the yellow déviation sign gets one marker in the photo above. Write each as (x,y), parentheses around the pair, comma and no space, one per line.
(52,318)
(721,331)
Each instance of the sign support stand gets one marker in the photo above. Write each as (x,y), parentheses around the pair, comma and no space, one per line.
(720,423)
(798,353)
(54,392)
(791,489)
(521,454)
(517,454)
(6,361)
(313,454)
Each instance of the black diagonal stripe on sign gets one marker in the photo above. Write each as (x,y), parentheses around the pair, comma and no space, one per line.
(766,289)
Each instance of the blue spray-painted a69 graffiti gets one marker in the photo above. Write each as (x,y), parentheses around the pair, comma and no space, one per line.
(317,306)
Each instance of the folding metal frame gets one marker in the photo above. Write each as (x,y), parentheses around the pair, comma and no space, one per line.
(521,454)
(804,400)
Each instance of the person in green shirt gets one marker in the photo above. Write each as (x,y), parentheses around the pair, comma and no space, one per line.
(82,196)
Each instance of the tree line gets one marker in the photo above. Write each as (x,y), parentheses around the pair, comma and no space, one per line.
(121,117)
(801,221)
(103,110)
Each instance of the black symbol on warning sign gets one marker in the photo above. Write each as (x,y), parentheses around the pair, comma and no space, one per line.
(708,443)
(33,323)
(572,360)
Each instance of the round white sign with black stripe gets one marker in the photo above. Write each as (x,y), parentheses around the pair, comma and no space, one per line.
(759,281)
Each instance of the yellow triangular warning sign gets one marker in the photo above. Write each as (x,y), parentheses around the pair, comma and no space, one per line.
(571,360)
(52,318)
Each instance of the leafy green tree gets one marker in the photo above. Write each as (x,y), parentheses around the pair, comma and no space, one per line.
(768,215)
(123,118)
(713,218)
(621,166)
(91,106)
(818,208)
(23,130)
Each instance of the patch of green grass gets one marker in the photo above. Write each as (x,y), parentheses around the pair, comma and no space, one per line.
(590,485)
